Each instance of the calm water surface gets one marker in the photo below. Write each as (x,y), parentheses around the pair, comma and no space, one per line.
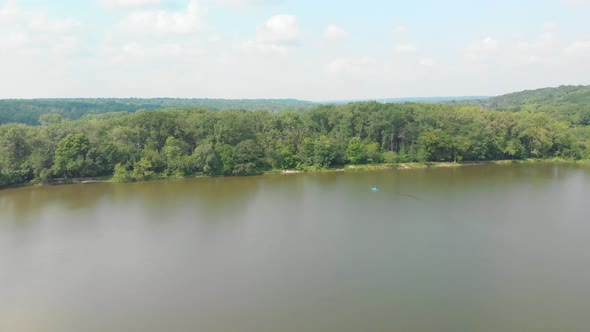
(479,248)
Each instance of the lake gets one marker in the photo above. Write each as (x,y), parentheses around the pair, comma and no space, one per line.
(475,248)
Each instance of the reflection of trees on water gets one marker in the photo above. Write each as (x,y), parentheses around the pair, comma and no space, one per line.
(205,199)
(475,177)
(214,200)
(30,204)
(428,185)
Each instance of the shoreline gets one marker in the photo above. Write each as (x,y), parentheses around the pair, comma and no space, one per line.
(347,168)
(435,164)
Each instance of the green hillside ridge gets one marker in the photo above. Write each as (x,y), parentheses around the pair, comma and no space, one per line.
(29,111)
(566,103)
(568,94)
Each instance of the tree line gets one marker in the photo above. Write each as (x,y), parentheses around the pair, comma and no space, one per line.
(566,103)
(28,111)
(189,141)
(565,94)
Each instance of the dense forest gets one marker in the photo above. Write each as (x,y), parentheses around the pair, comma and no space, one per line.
(29,111)
(565,94)
(566,103)
(189,141)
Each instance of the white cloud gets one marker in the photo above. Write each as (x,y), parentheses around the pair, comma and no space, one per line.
(533,59)
(427,62)
(579,48)
(486,45)
(12,16)
(244,3)
(333,33)
(15,40)
(128,3)
(9,11)
(482,48)
(163,22)
(279,29)
(405,48)
(134,51)
(34,33)
(42,23)
(544,49)
(38,48)
(278,34)
(400,29)
(36,51)
(575,2)
(352,66)
(550,26)
(214,39)
(543,43)
(545,40)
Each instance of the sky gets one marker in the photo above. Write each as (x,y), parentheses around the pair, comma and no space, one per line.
(315,50)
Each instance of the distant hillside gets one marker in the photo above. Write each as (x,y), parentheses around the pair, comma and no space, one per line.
(565,103)
(568,103)
(568,94)
(428,100)
(29,110)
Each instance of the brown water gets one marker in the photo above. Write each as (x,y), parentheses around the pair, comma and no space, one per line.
(479,248)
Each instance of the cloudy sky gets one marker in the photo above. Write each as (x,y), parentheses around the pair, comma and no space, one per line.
(306,49)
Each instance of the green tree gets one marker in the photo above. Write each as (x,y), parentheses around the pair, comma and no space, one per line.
(227,159)
(514,149)
(247,158)
(122,174)
(143,170)
(70,157)
(206,160)
(15,151)
(177,162)
(323,152)
(356,152)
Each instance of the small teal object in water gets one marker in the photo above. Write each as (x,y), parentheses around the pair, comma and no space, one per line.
(374,189)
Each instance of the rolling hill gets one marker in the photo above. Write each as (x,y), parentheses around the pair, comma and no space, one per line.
(28,110)
(565,94)
(565,102)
